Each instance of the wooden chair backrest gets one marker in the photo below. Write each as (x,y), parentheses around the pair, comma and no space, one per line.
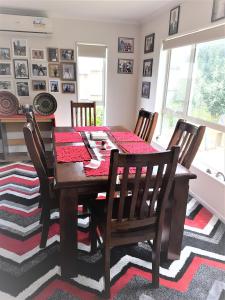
(188,137)
(34,151)
(83,113)
(30,116)
(160,170)
(146,124)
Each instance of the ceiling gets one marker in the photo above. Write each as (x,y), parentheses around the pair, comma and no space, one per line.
(104,10)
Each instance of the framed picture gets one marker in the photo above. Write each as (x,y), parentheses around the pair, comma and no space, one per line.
(19,47)
(6,85)
(218,11)
(38,54)
(54,86)
(68,87)
(174,20)
(66,54)
(147,67)
(67,71)
(39,85)
(21,68)
(53,70)
(39,69)
(145,90)
(125,45)
(5,54)
(5,69)
(125,66)
(149,43)
(53,55)
(22,88)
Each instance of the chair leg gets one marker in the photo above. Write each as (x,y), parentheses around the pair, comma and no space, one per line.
(45,227)
(106,258)
(93,235)
(155,264)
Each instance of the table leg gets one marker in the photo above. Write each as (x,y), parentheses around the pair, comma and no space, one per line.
(174,220)
(68,231)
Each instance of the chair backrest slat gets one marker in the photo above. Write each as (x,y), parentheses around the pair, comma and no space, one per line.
(188,137)
(146,124)
(83,113)
(141,172)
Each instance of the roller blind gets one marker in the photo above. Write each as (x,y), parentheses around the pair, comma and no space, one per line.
(200,36)
(91,50)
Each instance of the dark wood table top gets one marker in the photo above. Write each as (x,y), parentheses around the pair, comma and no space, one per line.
(72,175)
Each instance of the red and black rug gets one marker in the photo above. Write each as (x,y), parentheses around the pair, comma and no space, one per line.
(26,272)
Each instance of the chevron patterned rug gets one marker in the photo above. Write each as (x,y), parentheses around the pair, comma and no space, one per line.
(27,272)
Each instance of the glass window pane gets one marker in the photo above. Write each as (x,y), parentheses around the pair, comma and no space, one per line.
(168,126)
(207,100)
(178,75)
(211,154)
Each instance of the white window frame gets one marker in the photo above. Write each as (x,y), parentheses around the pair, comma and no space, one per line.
(184,114)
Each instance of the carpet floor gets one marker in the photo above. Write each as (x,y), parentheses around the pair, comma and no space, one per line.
(28,272)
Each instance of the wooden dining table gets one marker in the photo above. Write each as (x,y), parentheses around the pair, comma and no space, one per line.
(71,182)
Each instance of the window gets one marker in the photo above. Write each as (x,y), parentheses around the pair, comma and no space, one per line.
(195,91)
(91,63)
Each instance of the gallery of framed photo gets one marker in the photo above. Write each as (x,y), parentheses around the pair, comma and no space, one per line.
(54,70)
(145,89)
(19,48)
(5,69)
(67,71)
(68,87)
(38,54)
(53,54)
(66,54)
(149,43)
(21,68)
(22,88)
(5,54)
(54,86)
(125,66)
(218,10)
(125,45)
(147,67)
(39,85)
(6,85)
(174,20)
(39,69)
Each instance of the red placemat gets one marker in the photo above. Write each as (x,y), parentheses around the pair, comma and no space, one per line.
(72,154)
(91,128)
(126,137)
(68,137)
(141,147)
(103,170)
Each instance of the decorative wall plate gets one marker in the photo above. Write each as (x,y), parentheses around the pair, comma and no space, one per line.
(45,104)
(9,103)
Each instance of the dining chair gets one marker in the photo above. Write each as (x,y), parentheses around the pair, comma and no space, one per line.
(188,137)
(30,117)
(136,215)
(49,196)
(83,113)
(146,124)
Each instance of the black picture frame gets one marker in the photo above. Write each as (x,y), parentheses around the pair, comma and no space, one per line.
(125,45)
(174,20)
(125,66)
(18,70)
(68,87)
(149,43)
(218,11)
(53,54)
(68,71)
(145,89)
(147,67)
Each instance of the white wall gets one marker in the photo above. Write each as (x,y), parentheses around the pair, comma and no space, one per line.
(121,89)
(193,15)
